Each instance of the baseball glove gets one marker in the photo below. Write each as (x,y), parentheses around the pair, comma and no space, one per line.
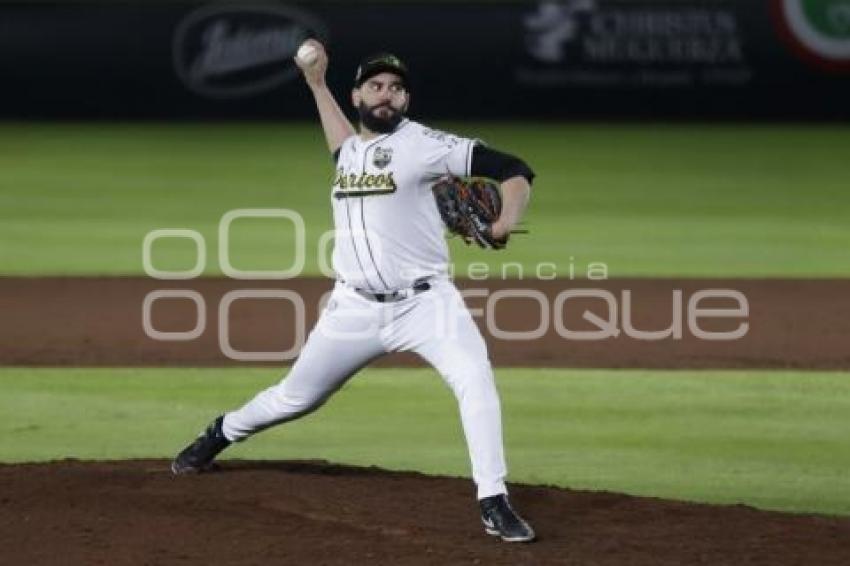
(469,208)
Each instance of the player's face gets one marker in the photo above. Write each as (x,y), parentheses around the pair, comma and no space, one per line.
(381,102)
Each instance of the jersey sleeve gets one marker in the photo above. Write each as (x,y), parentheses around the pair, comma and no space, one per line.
(343,147)
(444,153)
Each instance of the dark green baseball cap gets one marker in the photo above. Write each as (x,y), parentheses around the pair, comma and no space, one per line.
(380,63)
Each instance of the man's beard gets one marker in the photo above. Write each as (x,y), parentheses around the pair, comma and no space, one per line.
(376,123)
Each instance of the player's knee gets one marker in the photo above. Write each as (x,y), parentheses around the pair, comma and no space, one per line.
(293,405)
(486,393)
(480,400)
(468,378)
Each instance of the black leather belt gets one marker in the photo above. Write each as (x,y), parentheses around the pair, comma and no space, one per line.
(419,286)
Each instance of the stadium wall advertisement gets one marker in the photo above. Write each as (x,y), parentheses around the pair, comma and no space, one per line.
(568,58)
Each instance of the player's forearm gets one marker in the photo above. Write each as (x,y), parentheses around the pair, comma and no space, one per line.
(515,195)
(335,124)
(514,176)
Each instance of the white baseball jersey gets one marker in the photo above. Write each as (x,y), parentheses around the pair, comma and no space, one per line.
(388,229)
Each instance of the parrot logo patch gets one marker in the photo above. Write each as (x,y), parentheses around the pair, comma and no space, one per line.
(382,157)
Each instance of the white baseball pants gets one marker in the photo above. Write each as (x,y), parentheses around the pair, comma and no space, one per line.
(353,330)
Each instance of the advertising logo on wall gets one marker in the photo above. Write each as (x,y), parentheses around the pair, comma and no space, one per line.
(818,30)
(231,51)
(600,43)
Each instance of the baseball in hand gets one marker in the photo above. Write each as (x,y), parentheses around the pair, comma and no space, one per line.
(307,54)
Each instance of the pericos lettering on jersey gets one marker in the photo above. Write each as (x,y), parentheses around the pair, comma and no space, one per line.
(347,185)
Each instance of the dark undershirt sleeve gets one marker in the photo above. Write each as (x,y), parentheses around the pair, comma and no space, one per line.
(487,162)
(335,154)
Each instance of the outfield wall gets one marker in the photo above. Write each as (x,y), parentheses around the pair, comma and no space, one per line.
(570,59)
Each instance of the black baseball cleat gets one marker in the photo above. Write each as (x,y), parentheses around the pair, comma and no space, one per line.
(500,520)
(198,456)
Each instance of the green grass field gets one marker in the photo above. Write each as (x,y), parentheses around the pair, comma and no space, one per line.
(776,440)
(647,200)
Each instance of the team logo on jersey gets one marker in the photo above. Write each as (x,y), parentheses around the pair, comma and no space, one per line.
(817,29)
(347,185)
(382,157)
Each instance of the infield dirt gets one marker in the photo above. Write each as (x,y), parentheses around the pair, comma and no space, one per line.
(98,322)
(250,513)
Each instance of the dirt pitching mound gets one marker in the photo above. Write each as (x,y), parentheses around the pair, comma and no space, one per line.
(136,512)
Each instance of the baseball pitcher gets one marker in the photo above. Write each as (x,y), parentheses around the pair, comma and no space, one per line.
(390,257)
